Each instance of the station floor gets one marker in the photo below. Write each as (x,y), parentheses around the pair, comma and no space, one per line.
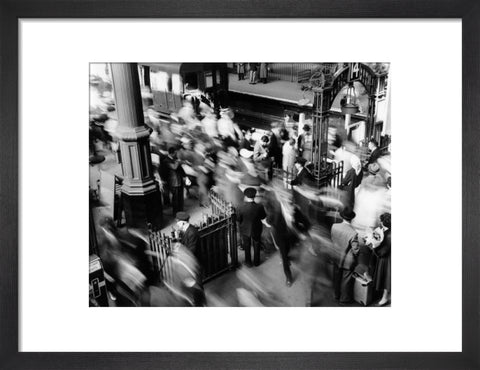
(287,91)
(269,275)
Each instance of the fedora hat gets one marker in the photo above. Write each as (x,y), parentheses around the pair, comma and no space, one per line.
(347,214)
(373,168)
(301,160)
(182,216)
(250,193)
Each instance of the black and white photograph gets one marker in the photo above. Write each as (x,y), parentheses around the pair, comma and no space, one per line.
(240,184)
(239,214)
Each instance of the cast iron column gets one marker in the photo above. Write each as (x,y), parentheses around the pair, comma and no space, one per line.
(140,195)
(321,108)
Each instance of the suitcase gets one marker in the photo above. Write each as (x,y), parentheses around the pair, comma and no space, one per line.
(362,290)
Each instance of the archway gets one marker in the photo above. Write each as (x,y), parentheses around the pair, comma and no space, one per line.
(374,84)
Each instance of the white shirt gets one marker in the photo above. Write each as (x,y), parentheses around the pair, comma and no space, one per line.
(210,126)
(226,127)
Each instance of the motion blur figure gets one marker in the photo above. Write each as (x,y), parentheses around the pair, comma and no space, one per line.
(315,265)
(254,293)
(187,114)
(351,181)
(127,268)
(209,123)
(183,287)
(228,130)
(279,231)
(370,199)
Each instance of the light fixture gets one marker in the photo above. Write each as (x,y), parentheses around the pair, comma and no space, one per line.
(349,103)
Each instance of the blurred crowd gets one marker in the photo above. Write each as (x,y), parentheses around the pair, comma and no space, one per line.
(337,234)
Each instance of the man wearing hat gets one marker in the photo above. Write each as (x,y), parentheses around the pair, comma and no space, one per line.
(246,142)
(375,152)
(188,233)
(304,176)
(250,216)
(228,130)
(374,179)
(346,249)
(175,179)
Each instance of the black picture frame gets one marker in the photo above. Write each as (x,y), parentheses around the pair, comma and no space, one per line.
(12,10)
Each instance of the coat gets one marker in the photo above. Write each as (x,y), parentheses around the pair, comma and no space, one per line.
(279,228)
(303,177)
(349,184)
(260,153)
(175,172)
(345,244)
(374,156)
(383,270)
(263,70)
(305,145)
(289,156)
(250,216)
(190,239)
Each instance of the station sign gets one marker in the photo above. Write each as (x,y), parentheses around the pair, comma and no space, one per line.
(354,71)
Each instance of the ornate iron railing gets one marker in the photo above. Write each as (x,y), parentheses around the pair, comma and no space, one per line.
(217,248)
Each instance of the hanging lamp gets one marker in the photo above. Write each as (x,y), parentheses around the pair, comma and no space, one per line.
(349,105)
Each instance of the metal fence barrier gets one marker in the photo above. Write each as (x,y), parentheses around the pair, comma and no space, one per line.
(217,242)
(160,251)
(329,174)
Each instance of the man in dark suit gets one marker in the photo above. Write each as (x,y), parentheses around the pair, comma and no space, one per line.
(375,152)
(304,176)
(189,236)
(175,180)
(250,216)
(346,249)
